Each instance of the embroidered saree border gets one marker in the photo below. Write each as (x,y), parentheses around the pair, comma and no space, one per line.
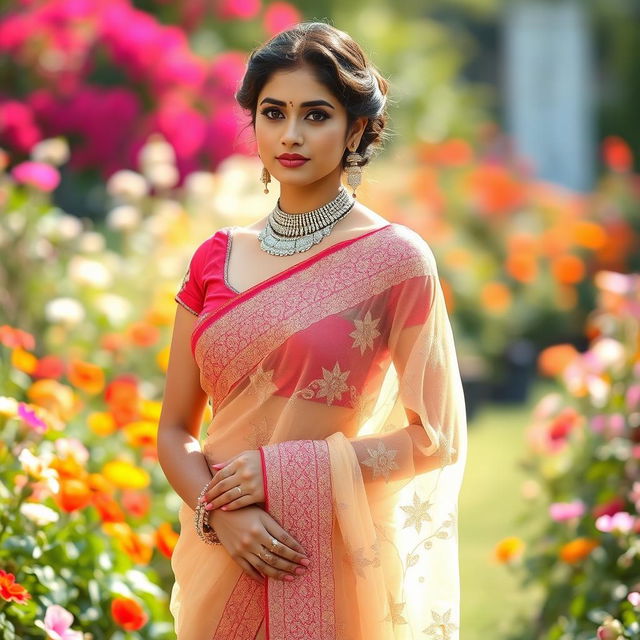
(243,613)
(299,496)
(244,334)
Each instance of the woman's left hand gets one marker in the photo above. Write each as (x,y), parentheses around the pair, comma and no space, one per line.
(244,471)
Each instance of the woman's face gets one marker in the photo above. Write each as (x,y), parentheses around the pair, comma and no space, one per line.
(287,124)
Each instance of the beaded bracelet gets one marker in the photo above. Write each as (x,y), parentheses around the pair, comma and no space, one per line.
(205,531)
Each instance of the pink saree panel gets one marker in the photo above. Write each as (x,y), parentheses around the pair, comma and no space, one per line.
(318,368)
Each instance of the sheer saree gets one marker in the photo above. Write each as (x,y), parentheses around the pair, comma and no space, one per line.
(319,368)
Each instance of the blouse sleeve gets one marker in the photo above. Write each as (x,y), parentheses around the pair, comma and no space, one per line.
(192,290)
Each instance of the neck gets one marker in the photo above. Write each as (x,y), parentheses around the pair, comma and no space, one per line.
(295,199)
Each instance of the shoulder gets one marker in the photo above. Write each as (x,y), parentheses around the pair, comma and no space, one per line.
(412,246)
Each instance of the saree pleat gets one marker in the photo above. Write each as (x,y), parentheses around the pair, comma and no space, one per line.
(320,368)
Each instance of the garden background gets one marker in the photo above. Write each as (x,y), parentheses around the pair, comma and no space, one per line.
(513,153)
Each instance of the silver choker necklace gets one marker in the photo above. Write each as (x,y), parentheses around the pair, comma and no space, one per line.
(288,233)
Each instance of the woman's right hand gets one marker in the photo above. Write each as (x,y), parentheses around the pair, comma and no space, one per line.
(246,534)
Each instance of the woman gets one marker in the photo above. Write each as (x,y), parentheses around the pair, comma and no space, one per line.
(326,486)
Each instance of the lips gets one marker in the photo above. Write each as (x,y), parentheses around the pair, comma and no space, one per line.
(291,156)
(291,160)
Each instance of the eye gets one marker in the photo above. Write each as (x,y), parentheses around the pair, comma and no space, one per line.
(268,110)
(321,113)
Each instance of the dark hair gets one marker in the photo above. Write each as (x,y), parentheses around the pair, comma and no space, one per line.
(338,63)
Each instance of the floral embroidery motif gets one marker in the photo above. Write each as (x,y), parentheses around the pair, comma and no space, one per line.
(381,460)
(260,433)
(261,383)
(417,512)
(395,613)
(331,386)
(442,628)
(365,332)
(362,404)
(358,561)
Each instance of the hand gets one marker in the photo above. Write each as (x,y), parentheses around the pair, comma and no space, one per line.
(247,535)
(244,471)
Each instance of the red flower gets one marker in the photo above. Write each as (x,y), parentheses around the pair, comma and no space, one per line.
(128,613)
(616,153)
(10,590)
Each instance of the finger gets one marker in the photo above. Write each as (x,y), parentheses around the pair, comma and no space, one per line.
(223,485)
(269,569)
(225,498)
(250,571)
(238,503)
(275,560)
(289,547)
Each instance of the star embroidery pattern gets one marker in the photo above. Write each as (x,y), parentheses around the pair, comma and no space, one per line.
(442,627)
(261,383)
(381,460)
(417,512)
(358,561)
(365,332)
(259,434)
(395,613)
(332,384)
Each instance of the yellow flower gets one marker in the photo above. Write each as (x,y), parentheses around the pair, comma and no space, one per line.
(23,360)
(509,549)
(143,433)
(162,359)
(102,423)
(125,475)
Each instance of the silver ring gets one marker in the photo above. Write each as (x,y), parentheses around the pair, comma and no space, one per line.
(239,490)
(274,542)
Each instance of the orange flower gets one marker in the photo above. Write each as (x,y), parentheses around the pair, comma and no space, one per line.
(49,367)
(577,549)
(128,614)
(68,468)
(23,360)
(553,360)
(86,376)
(136,503)
(101,423)
(123,399)
(567,269)
(509,549)
(495,297)
(57,398)
(166,539)
(458,258)
(425,187)
(16,338)
(141,434)
(589,234)
(98,483)
(451,153)
(522,266)
(143,334)
(139,548)
(108,508)
(113,342)
(10,590)
(616,154)
(495,190)
(555,241)
(73,495)
(522,241)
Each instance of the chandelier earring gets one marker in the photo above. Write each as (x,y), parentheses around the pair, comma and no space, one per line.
(266,178)
(354,170)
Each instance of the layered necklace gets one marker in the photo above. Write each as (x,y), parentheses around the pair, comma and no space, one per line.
(288,233)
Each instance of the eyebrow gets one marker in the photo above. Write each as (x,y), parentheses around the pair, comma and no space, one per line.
(310,103)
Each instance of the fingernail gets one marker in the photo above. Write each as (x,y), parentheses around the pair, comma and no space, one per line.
(300,571)
(305,562)
(288,578)
(209,506)
(224,508)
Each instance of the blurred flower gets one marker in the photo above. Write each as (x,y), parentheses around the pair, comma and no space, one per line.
(156,151)
(22,360)
(57,624)
(101,423)
(91,242)
(30,417)
(91,273)
(124,217)
(162,176)
(608,508)
(39,514)
(141,434)
(509,549)
(116,308)
(64,311)
(57,398)
(18,126)
(611,629)
(622,521)
(162,359)
(634,598)
(142,334)
(49,366)
(237,9)
(589,234)
(107,507)
(38,467)
(607,353)
(567,269)
(10,590)
(632,397)
(86,376)
(136,503)
(122,396)
(73,495)
(561,511)
(574,551)
(36,174)
(125,475)
(548,405)
(8,407)
(72,448)
(128,613)
(53,151)
(12,337)
(495,297)
(617,154)
(279,16)
(127,185)
(166,539)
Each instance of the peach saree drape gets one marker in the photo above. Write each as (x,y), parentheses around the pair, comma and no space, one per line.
(316,367)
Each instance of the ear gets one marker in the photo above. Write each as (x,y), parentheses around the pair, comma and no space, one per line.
(355,134)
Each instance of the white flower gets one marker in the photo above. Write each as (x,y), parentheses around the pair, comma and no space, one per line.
(65,311)
(91,242)
(72,448)
(115,307)
(53,151)
(156,151)
(162,175)
(89,272)
(69,227)
(125,217)
(38,467)
(127,185)
(38,513)
(200,184)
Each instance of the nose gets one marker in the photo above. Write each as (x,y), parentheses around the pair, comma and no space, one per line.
(291,134)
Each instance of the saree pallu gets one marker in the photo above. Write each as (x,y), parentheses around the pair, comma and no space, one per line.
(319,367)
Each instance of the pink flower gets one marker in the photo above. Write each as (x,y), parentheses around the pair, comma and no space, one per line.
(621,521)
(616,424)
(598,423)
(237,9)
(633,397)
(634,598)
(18,128)
(37,174)
(30,418)
(280,16)
(57,623)
(561,511)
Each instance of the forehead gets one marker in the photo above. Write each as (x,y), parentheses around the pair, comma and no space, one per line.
(295,85)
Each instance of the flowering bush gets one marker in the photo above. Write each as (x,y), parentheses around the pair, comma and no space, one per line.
(584,459)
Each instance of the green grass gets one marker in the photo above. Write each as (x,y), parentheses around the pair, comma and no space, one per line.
(490,501)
